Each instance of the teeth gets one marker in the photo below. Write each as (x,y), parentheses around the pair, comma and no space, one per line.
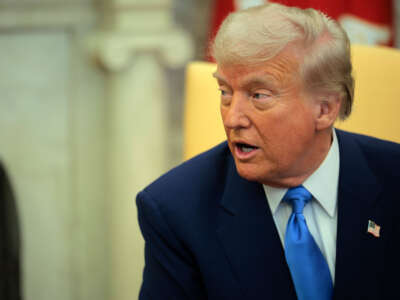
(247,149)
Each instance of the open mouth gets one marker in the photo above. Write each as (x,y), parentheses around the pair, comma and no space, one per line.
(245,148)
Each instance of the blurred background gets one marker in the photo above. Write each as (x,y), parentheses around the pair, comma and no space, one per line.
(91,112)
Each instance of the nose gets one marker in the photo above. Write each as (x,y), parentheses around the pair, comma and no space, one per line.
(234,114)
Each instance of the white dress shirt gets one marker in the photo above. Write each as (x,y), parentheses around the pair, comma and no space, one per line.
(321,212)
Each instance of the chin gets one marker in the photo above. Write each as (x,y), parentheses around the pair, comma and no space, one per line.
(255,174)
(250,173)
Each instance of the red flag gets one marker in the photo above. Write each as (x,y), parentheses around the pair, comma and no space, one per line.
(366,22)
(221,9)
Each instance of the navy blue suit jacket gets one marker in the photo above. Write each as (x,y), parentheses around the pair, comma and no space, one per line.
(210,234)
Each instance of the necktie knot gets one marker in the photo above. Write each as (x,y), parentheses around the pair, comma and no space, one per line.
(297,197)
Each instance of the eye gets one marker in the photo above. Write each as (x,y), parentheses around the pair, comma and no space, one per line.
(260,95)
(224,92)
(225,95)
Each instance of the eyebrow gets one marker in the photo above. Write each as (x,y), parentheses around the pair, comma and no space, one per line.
(250,81)
(220,79)
(217,76)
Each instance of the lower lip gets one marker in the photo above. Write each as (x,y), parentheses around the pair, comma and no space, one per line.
(244,155)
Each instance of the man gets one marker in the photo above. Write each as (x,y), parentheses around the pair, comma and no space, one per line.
(288,207)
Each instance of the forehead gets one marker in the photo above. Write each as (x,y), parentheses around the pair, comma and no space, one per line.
(280,69)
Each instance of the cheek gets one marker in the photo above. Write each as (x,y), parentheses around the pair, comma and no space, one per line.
(223,117)
(222,111)
(285,132)
(299,137)
(226,128)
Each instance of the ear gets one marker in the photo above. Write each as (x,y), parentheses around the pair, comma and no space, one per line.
(327,111)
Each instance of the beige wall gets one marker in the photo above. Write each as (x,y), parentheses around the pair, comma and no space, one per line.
(84,112)
(52,142)
(52,133)
(34,135)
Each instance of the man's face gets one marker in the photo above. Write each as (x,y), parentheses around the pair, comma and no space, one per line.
(269,120)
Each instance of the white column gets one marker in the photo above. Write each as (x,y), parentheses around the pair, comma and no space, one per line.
(139,40)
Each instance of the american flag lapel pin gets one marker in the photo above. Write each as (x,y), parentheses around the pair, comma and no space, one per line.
(373,228)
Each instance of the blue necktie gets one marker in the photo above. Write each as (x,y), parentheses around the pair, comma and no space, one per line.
(308,267)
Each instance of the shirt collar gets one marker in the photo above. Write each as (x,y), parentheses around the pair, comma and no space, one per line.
(322,184)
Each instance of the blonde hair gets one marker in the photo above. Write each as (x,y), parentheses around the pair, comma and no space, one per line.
(258,34)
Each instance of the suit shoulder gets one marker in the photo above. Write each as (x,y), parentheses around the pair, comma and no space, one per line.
(381,154)
(373,144)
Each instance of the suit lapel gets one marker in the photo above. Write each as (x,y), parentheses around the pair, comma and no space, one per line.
(250,240)
(357,198)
